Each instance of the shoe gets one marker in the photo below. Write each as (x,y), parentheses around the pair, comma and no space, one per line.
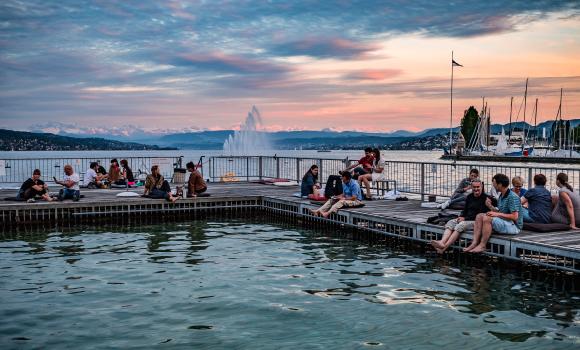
(443,205)
(31,200)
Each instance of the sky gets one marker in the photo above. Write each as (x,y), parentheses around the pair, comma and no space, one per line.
(306,65)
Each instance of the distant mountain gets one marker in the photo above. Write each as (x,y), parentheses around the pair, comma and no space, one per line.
(27,141)
(191,138)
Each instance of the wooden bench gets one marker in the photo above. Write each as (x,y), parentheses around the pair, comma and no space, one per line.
(384,186)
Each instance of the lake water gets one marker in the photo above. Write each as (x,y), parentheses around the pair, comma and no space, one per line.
(249,285)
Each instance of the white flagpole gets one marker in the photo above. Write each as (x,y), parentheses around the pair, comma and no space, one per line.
(451,113)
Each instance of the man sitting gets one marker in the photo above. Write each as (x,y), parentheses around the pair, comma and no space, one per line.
(71,185)
(476,203)
(539,202)
(457,200)
(351,196)
(157,187)
(196,184)
(506,218)
(364,165)
(92,178)
(33,187)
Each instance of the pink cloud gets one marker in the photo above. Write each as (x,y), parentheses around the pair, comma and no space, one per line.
(374,74)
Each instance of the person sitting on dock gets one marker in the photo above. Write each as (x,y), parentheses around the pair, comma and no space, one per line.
(196,184)
(518,186)
(115,177)
(156,187)
(457,200)
(32,188)
(377,173)
(475,203)
(92,179)
(310,183)
(70,182)
(128,177)
(539,202)
(364,165)
(567,203)
(351,196)
(506,218)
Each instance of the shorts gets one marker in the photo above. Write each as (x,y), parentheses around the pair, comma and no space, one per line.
(378,176)
(507,227)
(460,227)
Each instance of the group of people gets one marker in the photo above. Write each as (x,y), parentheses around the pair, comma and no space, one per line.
(506,209)
(119,175)
(369,168)
(158,188)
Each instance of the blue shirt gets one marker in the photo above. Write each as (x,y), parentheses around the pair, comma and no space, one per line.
(351,188)
(539,204)
(522,192)
(509,203)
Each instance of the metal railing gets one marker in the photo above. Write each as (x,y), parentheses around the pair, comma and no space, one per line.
(429,178)
(18,170)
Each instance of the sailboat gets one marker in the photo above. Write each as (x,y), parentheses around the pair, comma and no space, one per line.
(559,138)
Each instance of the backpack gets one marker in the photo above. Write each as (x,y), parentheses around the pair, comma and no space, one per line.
(333,186)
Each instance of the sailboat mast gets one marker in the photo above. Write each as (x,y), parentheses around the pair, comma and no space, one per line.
(525,107)
(535,123)
(511,111)
(559,122)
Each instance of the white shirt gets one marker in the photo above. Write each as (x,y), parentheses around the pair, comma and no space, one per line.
(90,176)
(74,178)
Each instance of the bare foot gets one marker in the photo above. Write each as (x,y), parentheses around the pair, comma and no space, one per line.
(313,212)
(478,249)
(437,244)
(441,250)
(468,249)
(325,215)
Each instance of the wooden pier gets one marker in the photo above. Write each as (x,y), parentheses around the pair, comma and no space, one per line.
(401,219)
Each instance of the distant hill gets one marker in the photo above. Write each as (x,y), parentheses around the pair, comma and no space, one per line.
(27,141)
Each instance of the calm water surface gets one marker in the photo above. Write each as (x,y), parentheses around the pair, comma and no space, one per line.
(237,285)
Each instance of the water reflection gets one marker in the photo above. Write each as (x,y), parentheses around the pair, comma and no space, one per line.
(214,276)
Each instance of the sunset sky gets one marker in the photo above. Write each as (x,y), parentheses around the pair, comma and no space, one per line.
(348,65)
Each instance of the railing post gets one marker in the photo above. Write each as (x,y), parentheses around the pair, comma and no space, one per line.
(530,177)
(297,169)
(248,168)
(277,167)
(422,182)
(260,167)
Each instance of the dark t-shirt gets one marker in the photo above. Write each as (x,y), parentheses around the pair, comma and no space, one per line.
(539,204)
(476,205)
(129,174)
(307,184)
(29,183)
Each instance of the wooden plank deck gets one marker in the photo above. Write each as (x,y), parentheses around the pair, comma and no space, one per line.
(556,249)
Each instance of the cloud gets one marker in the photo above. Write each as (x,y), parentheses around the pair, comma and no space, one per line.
(323,48)
(220,62)
(373,74)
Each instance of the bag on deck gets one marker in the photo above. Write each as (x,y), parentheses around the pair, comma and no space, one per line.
(333,186)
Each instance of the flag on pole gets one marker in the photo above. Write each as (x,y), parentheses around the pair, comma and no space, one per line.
(455,63)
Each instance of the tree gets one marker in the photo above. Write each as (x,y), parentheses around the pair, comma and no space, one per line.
(469,123)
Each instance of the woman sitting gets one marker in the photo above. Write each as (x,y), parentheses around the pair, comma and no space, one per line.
(158,188)
(518,186)
(127,173)
(115,177)
(567,204)
(378,173)
(310,183)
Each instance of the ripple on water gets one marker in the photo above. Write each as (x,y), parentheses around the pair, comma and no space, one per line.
(245,285)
